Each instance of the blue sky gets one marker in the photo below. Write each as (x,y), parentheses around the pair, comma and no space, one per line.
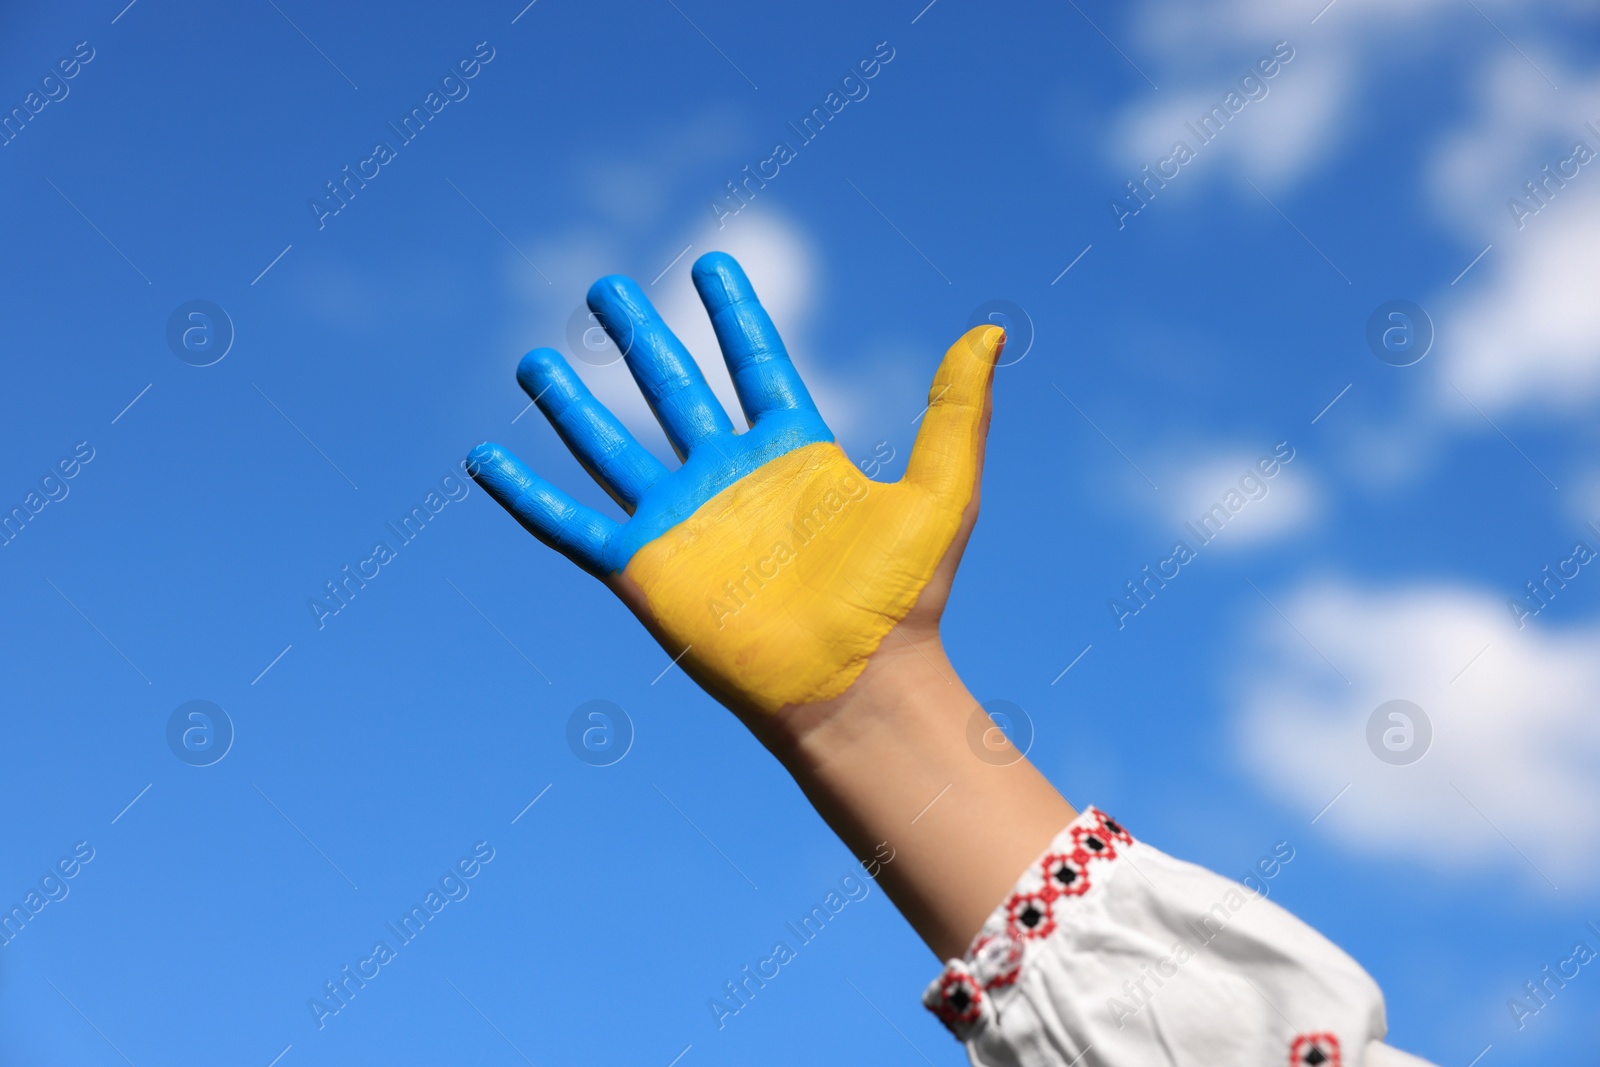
(374,346)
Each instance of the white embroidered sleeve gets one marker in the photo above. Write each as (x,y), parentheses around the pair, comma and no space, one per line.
(1110,953)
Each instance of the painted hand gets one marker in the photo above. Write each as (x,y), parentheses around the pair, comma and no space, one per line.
(766,560)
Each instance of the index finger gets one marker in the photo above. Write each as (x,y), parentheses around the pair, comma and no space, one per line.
(763,376)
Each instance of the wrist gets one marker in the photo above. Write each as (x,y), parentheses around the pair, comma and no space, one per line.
(907,759)
(903,690)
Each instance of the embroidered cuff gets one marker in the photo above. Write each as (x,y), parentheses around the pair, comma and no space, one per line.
(1077,865)
(1171,964)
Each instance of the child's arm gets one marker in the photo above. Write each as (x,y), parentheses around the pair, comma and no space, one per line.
(807,599)
(801,594)
(892,761)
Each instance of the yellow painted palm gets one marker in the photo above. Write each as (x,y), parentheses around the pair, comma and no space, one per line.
(766,561)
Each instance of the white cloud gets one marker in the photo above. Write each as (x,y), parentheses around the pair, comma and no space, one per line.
(1523,328)
(1298,126)
(1516,125)
(1203,49)
(1191,33)
(1531,334)
(1273,507)
(1516,743)
(1196,51)
(1272,141)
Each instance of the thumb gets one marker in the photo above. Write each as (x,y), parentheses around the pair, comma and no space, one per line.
(947,457)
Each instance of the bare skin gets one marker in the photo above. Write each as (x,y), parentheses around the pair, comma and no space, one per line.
(893,764)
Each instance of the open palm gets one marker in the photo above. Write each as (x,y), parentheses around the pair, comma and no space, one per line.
(766,561)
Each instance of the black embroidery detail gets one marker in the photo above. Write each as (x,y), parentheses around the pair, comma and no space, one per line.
(997,956)
(959,1001)
(1030,915)
(1064,876)
(1315,1050)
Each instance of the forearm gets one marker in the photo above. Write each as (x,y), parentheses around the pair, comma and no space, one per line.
(890,761)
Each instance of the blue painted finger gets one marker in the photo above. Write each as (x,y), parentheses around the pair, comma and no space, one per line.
(763,375)
(666,373)
(577,532)
(606,449)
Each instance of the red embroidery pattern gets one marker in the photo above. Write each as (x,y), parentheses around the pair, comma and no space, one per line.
(1030,915)
(1112,828)
(1315,1050)
(1043,893)
(960,1000)
(1064,876)
(1092,843)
